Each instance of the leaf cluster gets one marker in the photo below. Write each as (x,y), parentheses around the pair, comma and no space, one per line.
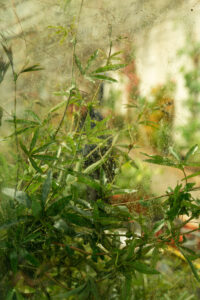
(60,235)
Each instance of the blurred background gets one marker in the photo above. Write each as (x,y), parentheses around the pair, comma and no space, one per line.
(150,32)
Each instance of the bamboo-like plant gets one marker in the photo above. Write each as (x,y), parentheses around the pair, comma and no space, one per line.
(55,242)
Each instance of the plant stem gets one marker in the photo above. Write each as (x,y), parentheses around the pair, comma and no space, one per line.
(154,198)
(15,129)
(63,117)
(185,176)
(75,42)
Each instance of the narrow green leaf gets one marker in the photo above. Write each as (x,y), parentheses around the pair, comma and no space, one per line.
(8,52)
(78,220)
(32,69)
(130,250)
(191,151)
(9,224)
(174,153)
(14,261)
(33,115)
(91,59)
(3,69)
(143,268)
(42,148)
(103,77)
(58,206)
(36,208)
(110,68)
(56,107)
(194,271)
(155,254)
(20,131)
(44,157)
(126,289)
(89,78)
(191,254)
(110,222)
(46,187)
(10,295)
(115,54)
(71,293)
(31,237)
(23,122)
(78,63)
(34,139)
(159,160)
(97,164)
(87,180)
(19,296)
(85,293)
(35,166)
(31,259)
(94,289)
(158,226)
(192,175)
(118,191)
(23,147)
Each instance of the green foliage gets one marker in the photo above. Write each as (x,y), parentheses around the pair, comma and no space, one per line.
(99,73)
(134,175)
(61,237)
(190,130)
(152,117)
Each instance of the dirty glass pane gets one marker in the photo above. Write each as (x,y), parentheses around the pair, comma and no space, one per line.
(99,161)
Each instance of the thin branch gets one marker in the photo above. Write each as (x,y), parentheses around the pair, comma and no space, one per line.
(71,93)
(56,281)
(63,117)
(80,250)
(8,51)
(185,175)
(19,22)
(189,232)
(154,198)
(110,46)
(184,223)
(75,41)
(98,147)
(16,136)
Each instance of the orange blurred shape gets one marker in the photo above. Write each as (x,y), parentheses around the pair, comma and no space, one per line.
(131,201)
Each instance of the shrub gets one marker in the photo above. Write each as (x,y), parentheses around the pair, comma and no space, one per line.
(55,242)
